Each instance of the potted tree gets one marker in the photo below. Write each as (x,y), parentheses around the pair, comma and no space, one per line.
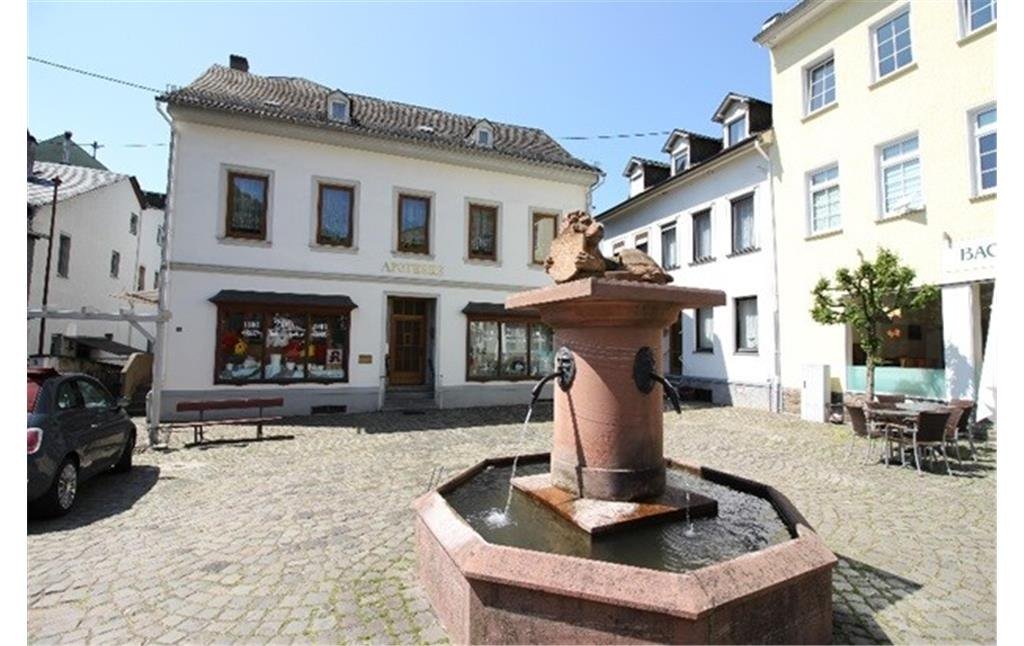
(867,298)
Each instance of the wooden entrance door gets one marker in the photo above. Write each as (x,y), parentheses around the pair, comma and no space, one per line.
(408,342)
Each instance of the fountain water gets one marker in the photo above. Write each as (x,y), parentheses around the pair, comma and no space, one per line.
(607,496)
(500,518)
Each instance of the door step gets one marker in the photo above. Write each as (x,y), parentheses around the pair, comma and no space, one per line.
(406,400)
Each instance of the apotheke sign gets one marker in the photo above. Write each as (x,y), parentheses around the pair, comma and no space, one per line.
(971,259)
(416,268)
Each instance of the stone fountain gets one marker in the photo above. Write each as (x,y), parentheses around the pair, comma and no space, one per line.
(607,541)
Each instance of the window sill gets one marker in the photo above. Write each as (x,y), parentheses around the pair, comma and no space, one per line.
(982,197)
(891,76)
(977,33)
(702,261)
(483,262)
(820,111)
(536,265)
(279,382)
(243,242)
(703,351)
(900,215)
(747,352)
(824,234)
(412,254)
(743,252)
(332,248)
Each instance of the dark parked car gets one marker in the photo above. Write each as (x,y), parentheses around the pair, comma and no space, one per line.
(76,430)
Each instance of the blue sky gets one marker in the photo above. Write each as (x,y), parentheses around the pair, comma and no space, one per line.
(569,68)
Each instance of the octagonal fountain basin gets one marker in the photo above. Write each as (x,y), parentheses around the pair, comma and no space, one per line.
(755,573)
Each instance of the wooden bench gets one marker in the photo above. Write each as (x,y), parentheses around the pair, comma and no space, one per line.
(201,406)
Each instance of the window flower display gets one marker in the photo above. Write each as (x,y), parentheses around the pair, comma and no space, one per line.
(260,344)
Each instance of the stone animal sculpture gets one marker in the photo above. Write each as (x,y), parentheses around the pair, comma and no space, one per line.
(633,264)
(575,253)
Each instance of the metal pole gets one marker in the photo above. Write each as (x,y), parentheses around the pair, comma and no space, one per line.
(155,402)
(49,257)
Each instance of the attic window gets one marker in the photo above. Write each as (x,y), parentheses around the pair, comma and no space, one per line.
(736,130)
(337,110)
(680,160)
(483,137)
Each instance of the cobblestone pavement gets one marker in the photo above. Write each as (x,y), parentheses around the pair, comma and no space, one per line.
(310,540)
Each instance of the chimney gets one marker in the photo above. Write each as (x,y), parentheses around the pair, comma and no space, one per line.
(31,153)
(67,146)
(240,63)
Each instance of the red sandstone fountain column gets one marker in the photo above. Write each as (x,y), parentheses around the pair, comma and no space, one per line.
(608,441)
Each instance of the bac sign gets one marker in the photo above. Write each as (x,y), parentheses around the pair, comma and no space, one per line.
(970,260)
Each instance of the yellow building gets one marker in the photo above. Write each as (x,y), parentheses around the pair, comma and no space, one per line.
(885,121)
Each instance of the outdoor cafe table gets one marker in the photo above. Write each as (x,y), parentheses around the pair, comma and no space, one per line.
(906,411)
(904,415)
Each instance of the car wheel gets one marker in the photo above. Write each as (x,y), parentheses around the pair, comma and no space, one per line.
(124,464)
(60,497)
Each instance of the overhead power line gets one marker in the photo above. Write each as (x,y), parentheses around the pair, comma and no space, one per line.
(139,86)
(103,77)
(624,135)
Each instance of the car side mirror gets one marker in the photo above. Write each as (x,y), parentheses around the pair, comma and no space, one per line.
(122,403)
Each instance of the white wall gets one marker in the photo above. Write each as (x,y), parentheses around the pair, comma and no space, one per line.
(98,223)
(744,275)
(204,152)
(149,250)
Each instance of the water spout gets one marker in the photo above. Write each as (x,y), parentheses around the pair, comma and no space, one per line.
(669,390)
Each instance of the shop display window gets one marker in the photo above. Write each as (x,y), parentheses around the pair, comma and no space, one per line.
(262,344)
(508,350)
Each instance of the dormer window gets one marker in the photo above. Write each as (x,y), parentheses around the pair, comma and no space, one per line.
(680,160)
(338,107)
(742,116)
(482,134)
(736,130)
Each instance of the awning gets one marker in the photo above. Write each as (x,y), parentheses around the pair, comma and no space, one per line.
(104,344)
(334,301)
(497,310)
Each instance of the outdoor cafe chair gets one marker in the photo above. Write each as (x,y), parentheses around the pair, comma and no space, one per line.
(956,414)
(930,433)
(964,429)
(890,430)
(862,427)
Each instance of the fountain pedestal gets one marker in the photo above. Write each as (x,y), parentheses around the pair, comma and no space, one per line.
(608,437)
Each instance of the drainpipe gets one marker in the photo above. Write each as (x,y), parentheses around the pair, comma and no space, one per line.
(153,407)
(590,191)
(777,367)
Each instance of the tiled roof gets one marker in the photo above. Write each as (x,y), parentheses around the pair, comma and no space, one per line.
(652,162)
(52,150)
(680,177)
(75,180)
(304,102)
